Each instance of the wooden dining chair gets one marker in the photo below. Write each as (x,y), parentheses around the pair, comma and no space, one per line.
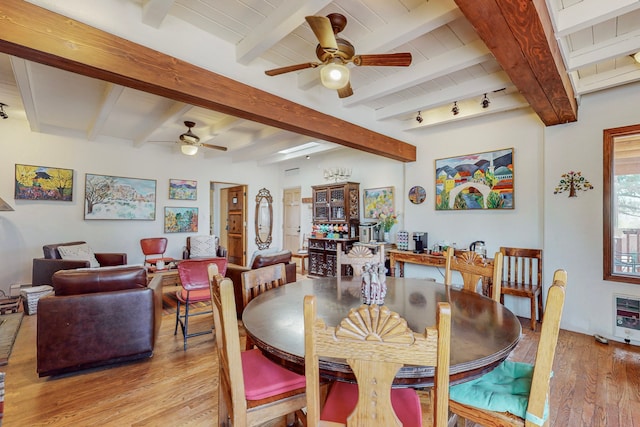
(251,388)
(474,268)
(522,277)
(516,394)
(357,257)
(376,343)
(258,281)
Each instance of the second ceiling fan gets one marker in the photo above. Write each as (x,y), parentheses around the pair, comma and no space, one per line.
(190,142)
(335,52)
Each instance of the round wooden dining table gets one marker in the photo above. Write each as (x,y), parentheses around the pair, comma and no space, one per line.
(483,332)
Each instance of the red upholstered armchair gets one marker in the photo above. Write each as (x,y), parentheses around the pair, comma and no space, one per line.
(43,268)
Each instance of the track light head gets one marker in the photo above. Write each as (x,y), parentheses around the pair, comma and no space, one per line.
(419,118)
(485,101)
(455,110)
(2,112)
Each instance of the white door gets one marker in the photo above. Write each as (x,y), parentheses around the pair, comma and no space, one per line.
(291,211)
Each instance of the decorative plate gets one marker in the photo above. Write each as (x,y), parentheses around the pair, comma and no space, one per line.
(417,195)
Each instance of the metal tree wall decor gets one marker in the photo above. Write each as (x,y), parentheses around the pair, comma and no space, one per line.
(572,182)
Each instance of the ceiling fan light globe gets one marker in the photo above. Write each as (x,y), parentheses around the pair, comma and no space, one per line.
(637,57)
(189,150)
(334,76)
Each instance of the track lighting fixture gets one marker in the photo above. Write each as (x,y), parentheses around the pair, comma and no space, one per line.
(455,110)
(485,101)
(2,113)
(419,118)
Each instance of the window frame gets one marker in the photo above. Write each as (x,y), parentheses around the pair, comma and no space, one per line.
(608,199)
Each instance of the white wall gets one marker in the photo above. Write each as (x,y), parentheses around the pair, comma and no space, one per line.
(35,223)
(573,226)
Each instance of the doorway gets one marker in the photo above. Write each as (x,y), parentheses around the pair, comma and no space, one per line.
(291,210)
(228,219)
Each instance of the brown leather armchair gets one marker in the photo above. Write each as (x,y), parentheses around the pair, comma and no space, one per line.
(234,272)
(221,251)
(43,268)
(98,316)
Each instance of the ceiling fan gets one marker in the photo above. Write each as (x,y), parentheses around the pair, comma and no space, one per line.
(190,141)
(335,52)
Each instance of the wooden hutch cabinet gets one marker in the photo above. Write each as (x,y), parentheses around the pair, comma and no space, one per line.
(333,205)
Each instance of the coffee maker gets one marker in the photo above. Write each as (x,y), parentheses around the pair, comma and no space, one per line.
(420,239)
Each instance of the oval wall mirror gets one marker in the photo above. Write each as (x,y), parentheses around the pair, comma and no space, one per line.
(264,218)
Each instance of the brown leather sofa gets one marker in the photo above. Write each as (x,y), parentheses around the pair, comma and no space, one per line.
(97,317)
(234,272)
(43,268)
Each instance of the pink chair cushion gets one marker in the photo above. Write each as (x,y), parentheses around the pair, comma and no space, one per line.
(343,397)
(264,378)
(194,296)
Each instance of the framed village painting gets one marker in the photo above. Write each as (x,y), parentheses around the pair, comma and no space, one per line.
(180,220)
(475,181)
(115,197)
(43,183)
(183,189)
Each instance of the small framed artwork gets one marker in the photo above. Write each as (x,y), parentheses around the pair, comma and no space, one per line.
(115,197)
(378,201)
(183,189)
(475,181)
(417,195)
(43,183)
(180,220)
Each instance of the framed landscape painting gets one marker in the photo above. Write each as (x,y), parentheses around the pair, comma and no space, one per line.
(180,220)
(475,181)
(115,197)
(43,183)
(183,189)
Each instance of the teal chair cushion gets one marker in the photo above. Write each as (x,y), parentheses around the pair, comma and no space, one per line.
(505,389)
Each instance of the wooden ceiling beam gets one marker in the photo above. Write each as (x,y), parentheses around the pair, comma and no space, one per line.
(520,35)
(37,34)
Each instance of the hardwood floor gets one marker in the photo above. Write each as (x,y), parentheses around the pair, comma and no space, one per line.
(593,385)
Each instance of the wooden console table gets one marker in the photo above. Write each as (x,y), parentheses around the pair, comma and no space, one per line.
(170,277)
(400,257)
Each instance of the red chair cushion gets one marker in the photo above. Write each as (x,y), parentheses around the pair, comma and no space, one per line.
(343,397)
(194,296)
(264,378)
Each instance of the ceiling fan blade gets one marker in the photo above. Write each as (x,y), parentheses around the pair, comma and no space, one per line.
(321,27)
(215,147)
(290,68)
(384,59)
(345,91)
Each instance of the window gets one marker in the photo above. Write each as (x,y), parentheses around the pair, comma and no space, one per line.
(621,204)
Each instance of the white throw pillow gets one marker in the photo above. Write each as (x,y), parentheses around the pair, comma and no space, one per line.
(203,246)
(82,252)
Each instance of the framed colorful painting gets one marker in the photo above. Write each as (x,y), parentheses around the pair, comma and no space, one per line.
(115,197)
(475,181)
(378,201)
(180,220)
(183,189)
(43,183)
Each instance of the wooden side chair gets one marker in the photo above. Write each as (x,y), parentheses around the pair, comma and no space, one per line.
(522,277)
(516,394)
(376,343)
(251,388)
(474,268)
(357,257)
(194,279)
(258,281)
